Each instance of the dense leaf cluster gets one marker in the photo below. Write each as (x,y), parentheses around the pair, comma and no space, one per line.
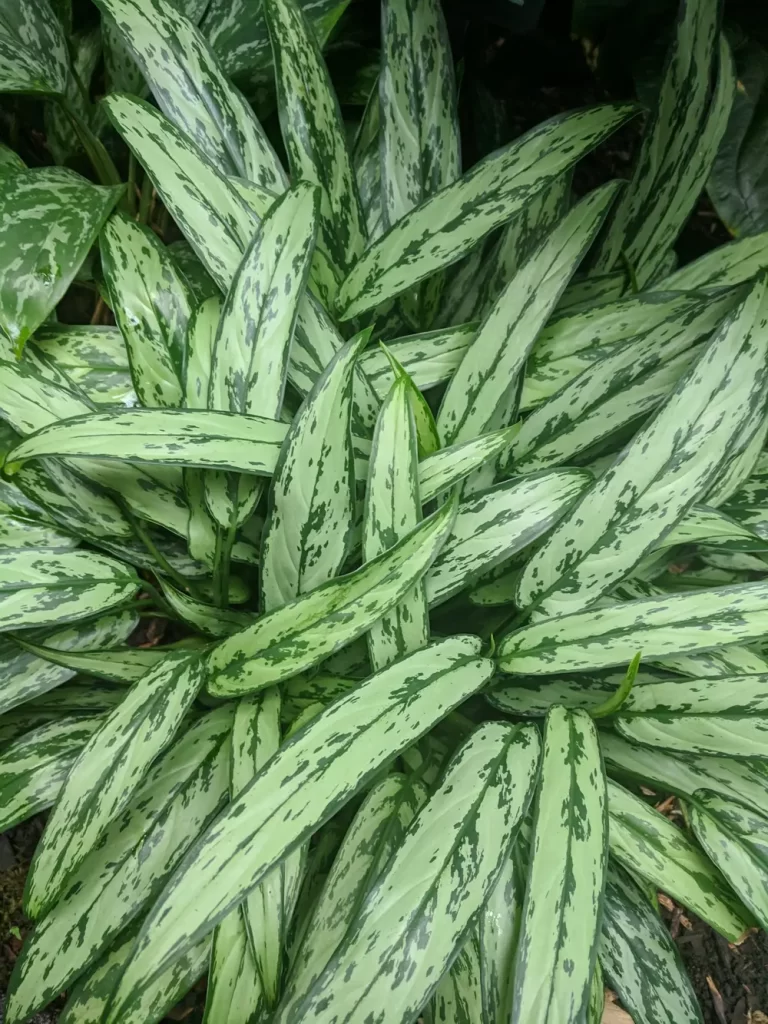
(415,465)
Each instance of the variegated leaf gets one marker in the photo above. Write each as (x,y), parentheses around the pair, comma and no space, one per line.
(640,960)
(457,841)
(732,734)
(216,221)
(26,674)
(429,359)
(93,358)
(377,830)
(740,781)
(33,49)
(483,393)
(177,799)
(253,338)
(267,911)
(659,626)
(192,91)
(238,33)
(446,226)
(668,465)
(448,466)
(49,219)
(557,948)
(417,100)
(48,588)
(498,935)
(649,845)
(458,997)
(492,526)
(624,381)
(392,509)
(300,634)
(108,772)
(670,142)
(312,500)
(33,768)
(234,993)
(152,307)
(735,838)
(314,774)
(578,339)
(164,437)
(90,995)
(314,138)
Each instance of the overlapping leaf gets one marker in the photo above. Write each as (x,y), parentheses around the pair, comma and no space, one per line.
(666,467)
(314,773)
(447,225)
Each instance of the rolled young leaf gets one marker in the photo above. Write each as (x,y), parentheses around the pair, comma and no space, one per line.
(308,629)
(557,947)
(447,225)
(314,773)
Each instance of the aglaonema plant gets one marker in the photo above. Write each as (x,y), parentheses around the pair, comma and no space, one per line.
(410,459)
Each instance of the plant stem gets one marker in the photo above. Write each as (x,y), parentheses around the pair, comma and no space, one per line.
(102,163)
(145,200)
(144,536)
(131,193)
(613,704)
(225,539)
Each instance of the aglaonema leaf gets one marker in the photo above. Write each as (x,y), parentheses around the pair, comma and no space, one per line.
(49,219)
(450,843)
(446,226)
(393,508)
(315,772)
(192,91)
(568,855)
(108,772)
(300,634)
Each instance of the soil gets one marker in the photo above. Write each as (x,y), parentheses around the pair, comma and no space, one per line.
(730,981)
